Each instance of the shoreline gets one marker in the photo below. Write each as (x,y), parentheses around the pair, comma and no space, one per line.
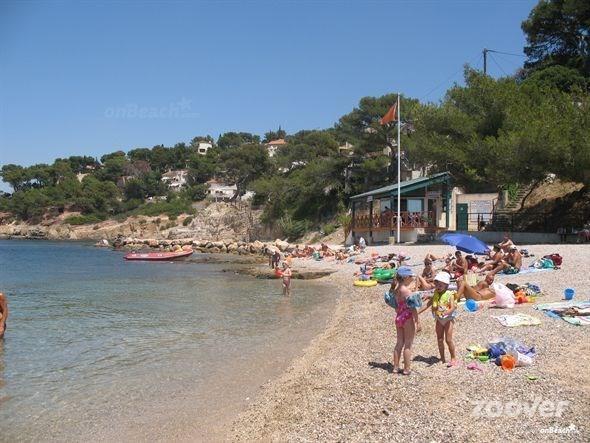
(341,389)
(204,406)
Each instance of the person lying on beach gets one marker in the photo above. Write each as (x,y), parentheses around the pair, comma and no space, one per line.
(511,264)
(287,274)
(406,319)
(444,310)
(326,250)
(433,258)
(341,256)
(481,291)
(3,313)
(472,263)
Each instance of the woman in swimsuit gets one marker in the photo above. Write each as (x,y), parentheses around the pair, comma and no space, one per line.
(286,279)
(425,282)
(406,316)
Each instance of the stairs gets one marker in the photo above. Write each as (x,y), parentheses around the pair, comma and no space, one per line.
(514,204)
(502,220)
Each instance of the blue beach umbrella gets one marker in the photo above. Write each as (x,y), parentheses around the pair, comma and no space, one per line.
(466,243)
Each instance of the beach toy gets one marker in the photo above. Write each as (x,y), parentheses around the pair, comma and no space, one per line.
(532,377)
(471,305)
(474,367)
(508,362)
(569,293)
(365,283)
(483,358)
(495,351)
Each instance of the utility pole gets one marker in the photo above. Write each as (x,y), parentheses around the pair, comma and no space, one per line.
(485,61)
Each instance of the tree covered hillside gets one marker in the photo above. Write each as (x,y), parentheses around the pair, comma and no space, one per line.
(491,134)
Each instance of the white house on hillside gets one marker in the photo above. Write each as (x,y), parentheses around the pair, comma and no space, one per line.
(346,149)
(273,145)
(175,180)
(218,190)
(203,147)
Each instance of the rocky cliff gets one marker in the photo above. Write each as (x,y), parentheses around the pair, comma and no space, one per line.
(214,221)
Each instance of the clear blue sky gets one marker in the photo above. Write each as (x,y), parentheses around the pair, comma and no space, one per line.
(74,75)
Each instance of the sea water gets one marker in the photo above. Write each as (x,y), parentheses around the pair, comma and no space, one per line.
(98,348)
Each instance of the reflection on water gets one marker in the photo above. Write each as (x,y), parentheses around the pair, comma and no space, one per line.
(97,344)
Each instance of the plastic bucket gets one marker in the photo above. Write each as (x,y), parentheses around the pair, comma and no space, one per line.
(508,362)
(471,305)
(569,293)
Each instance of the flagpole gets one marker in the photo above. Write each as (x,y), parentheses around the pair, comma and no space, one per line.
(398,170)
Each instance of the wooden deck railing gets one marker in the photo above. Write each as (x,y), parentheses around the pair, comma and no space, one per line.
(388,220)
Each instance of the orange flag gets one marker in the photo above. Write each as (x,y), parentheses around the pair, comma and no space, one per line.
(390,116)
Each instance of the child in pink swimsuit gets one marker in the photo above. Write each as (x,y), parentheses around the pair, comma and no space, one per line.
(405,304)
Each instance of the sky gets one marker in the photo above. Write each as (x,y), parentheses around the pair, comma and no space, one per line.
(93,77)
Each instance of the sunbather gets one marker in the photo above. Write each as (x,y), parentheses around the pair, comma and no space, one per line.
(506,244)
(511,264)
(481,291)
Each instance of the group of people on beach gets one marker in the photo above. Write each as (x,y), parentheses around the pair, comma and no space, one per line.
(504,257)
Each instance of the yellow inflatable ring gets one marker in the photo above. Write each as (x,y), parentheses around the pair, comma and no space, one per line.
(365,283)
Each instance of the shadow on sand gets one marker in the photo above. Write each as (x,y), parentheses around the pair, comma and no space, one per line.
(385,366)
(432,360)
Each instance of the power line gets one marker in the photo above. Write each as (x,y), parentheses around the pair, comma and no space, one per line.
(498,65)
(507,53)
(446,80)
(512,62)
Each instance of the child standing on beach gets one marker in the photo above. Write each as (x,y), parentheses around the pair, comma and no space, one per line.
(444,311)
(405,305)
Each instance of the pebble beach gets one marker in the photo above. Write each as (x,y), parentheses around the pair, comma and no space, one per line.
(342,387)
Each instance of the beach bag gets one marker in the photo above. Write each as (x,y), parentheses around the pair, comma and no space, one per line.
(504,296)
(555,258)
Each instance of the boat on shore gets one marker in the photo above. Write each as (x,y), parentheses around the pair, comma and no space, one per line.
(158,256)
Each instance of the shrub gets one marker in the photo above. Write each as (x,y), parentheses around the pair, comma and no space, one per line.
(329,228)
(293,229)
(172,208)
(187,221)
(82,219)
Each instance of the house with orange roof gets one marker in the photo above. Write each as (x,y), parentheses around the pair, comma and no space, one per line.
(273,145)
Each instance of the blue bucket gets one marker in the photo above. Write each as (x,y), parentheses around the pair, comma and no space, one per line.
(569,293)
(471,305)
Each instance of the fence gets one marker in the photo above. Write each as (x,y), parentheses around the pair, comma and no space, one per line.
(500,221)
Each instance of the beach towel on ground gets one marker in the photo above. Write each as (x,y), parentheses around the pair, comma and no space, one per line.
(527,271)
(573,312)
(512,321)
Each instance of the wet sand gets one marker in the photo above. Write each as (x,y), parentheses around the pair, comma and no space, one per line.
(342,387)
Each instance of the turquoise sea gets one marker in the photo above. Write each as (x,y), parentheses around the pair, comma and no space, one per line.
(100,349)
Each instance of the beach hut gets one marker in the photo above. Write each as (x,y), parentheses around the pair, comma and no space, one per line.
(424,210)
